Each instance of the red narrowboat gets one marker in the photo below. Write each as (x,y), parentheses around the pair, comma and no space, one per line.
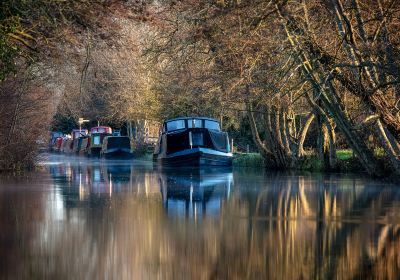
(58,144)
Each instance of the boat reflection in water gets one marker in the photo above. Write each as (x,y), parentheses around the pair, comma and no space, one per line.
(190,193)
(195,193)
(94,219)
(96,181)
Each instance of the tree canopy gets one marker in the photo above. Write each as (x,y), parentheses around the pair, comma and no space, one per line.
(296,78)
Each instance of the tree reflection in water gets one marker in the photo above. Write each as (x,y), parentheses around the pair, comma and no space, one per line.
(130,221)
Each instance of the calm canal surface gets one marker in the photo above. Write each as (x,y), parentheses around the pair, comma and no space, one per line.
(96,219)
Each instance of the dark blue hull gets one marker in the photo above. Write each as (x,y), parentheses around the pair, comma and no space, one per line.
(94,152)
(197,158)
(117,155)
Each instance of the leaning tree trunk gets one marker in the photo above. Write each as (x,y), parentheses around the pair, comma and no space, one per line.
(326,141)
(278,146)
(321,140)
(281,157)
(262,145)
(305,59)
(303,133)
(374,99)
(390,150)
(331,145)
(354,140)
(393,142)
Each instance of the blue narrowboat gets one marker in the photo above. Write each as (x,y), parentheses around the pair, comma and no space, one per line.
(193,141)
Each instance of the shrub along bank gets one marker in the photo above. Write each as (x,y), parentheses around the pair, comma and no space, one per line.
(347,162)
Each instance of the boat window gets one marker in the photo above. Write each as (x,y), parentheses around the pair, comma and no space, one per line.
(212,125)
(197,139)
(175,125)
(80,133)
(96,140)
(195,123)
(100,130)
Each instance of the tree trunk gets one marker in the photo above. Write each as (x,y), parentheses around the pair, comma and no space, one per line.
(373,99)
(321,141)
(394,158)
(278,148)
(262,148)
(331,146)
(303,134)
(393,142)
(285,136)
(355,142)
(141,128)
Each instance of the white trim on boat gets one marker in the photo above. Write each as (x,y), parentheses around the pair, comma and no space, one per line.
(196,150)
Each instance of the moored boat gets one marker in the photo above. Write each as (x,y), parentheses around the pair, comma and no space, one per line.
(84,146)
(53,138)
(66,144)
(77,136)
(58,144)
(97,135)
(193,141)
(116,147)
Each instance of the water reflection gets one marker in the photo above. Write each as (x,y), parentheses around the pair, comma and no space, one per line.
(120,220)
(195,193)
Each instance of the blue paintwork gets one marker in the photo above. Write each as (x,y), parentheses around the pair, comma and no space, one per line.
(196,150)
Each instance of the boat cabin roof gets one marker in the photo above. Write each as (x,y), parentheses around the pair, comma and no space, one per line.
(190,122)
(116,136)
(189,118)
(101,129)
(56,134)
(76,133)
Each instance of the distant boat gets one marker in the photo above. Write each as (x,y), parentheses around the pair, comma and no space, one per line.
(97,135)
(58,144)
(116,147)
(84,145)
(193,141)
(53,138)
(116,132)
(66,145)
(77,137)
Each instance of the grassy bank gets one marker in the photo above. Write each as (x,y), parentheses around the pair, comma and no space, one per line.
(143,156)
(347,162)
(248,160)
(344,154)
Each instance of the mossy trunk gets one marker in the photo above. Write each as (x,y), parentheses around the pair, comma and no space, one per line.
(390,149)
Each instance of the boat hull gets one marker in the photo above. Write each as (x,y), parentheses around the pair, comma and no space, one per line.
(94,152)
(197,158)
(117,154)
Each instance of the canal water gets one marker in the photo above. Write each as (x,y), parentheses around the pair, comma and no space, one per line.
(77,218)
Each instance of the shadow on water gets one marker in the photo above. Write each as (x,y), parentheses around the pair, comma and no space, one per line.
(81,218)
